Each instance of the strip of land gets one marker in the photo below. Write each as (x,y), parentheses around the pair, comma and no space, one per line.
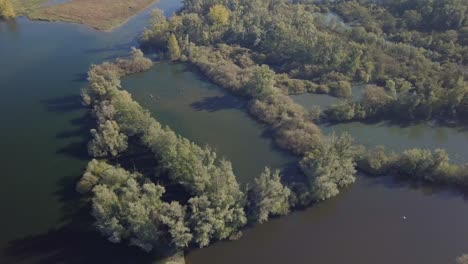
(99,14)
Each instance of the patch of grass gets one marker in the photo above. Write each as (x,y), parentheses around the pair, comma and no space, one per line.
(27,7)
(98,14)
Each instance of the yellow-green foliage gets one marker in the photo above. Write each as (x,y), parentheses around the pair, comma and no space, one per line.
(219,14)
(6,9)
(173,47)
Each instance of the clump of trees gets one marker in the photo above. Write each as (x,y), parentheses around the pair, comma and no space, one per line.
(107,140)
(416,164)
(130,206)
(268,196)
(329,167)
(136,63)
(6,9)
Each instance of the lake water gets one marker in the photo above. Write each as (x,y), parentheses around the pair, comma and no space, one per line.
(43,152)
(395,137)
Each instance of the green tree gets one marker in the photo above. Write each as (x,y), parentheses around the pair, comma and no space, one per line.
(268,196)
(330,166)
(173,47)
(262,83)
(136,63)
(91,177)
(107,140)
(219,15)
(128,207)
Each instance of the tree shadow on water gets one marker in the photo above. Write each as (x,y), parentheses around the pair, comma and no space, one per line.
(216,103)
(76,240)
(64,104)
(397,182)
(78,148)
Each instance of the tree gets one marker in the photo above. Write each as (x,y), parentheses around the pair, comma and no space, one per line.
(173,47)
(330,166)
(107,140)
(126,206)
(103,80)
(268,196)
(136,63)
(92,175)
(262,83)
(6,9)
(219,15)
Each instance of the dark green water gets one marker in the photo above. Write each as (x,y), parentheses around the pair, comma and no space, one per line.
(43,152)
(206,114)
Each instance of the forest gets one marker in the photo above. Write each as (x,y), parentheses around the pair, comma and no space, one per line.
(161,192)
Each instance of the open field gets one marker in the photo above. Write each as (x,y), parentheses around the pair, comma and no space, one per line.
(98,14)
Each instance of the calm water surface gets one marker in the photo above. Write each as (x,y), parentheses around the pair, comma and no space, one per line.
(43,152)
(205,113)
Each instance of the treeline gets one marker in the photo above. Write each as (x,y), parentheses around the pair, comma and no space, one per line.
(6,9)
(396,101)
(416,164)
(129,206)
(310,54)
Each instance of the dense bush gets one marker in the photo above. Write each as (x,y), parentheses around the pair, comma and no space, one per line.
(107,140)
(268,196)
(136,63)
(329,167)
(6,9)
(415,164)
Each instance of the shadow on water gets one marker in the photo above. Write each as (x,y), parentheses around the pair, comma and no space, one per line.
(396,182)
(74,242)
(80,77)
(114,48)
(216,103)
(63,104)
(85,123)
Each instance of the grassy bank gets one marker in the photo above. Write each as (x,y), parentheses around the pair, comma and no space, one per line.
(99,14)
(27,7)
